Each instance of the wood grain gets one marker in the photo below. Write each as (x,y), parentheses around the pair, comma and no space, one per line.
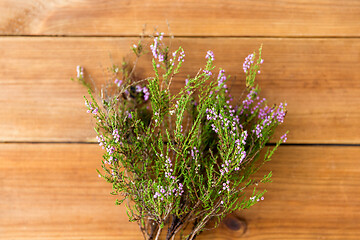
(319,79)
(312,61)
(51,191)
(186,18)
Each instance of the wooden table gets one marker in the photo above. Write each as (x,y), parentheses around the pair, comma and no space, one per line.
(49,188)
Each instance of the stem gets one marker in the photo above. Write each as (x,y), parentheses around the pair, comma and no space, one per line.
(142,229)
(158,233)
(152,230)
(202,223)
(172,229)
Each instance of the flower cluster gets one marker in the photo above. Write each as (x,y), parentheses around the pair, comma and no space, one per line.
(194,152)
(91,108)
(116,135)
(284,138)
(247,63)
(211,115)
(146,93)
(210,55)
(168,169)
(257,199)
(226,185)
(248,100)
(181,56)
(161,193)
(207,72)
(110,149)
(155,47)
(222,79)
(80,72)
(179,190)
(101,141)
(224,120)
(258,130)
(118,82)
(164,192)
(144,90)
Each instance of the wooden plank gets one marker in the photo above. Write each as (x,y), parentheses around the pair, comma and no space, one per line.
(54,192)
(319,79)
(51,191)
(186,18)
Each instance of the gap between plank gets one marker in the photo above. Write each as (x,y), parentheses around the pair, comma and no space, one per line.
(268,144)
(181,36)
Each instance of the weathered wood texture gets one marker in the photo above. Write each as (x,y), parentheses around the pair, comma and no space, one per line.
(319,79)
(190,18)
(51,191)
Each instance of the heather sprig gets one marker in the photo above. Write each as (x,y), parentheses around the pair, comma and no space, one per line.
(182,159)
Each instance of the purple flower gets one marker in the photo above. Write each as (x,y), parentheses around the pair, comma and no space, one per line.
(207,72)
(138,88)
(118,82)
(80,72)
(157,195)
(146,92)
(248,100)
(116,135)
(283,138)
(161,58)
(111,160)
(94,111)
(91,108)
(221,78)
(101,141)
(155,47)
(194,152)
(280,113)
(182,56)
(210,55)
(244,137)
(264,112)
(242,156)
(249,60)
(179,191)
(110,149)
(226,185)
(258,129)
(257,105)
(128,114)
(168,169)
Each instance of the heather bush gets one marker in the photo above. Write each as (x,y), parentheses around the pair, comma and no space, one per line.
(178,160)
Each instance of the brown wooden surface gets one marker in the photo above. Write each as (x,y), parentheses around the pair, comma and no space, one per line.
(319,79)
(190,18)
(51,191)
